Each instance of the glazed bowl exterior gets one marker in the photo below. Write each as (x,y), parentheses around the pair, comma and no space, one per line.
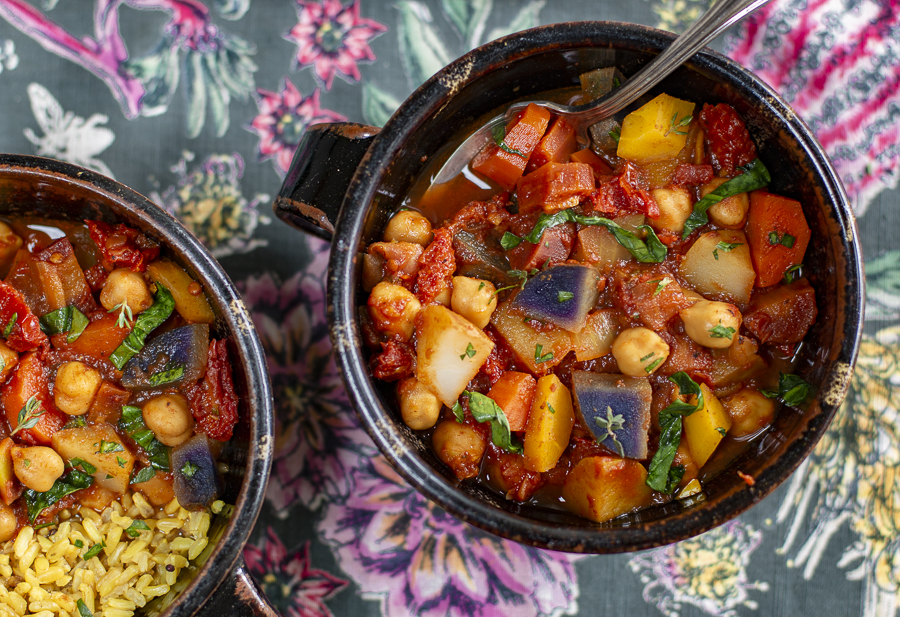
(36,187)
(368,172)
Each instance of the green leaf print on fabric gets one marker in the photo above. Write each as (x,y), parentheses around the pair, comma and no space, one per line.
(469,17)
(883,286)
(378,105)
(421,48)
(677,15)
(527,17)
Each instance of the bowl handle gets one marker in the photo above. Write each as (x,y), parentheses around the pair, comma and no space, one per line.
(325,161)
(238,596)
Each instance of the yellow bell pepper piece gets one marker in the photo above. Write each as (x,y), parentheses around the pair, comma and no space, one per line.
(656,131)
(549,424)
(706,427)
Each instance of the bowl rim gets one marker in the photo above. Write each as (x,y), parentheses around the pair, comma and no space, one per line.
(137,210)
(426,100)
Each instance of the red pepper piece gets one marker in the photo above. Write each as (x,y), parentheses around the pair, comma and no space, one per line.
(122,246)
(213,401)
(625,193)
(437,265)
(729,141)
(18,325)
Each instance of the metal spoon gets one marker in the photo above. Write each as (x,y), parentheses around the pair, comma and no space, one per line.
(722,15)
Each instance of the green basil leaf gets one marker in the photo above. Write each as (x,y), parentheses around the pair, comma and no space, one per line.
(146,322)
(80,462)
(510,241)
(94,551)
(459,412)
(144,475)
(660,476)
(649,250)
(37,502)
(7,330)
(169,374)
(136,527)
(83,610)
(132,422)
(79,323)
(792,390)
(57,322)
(484,409)
(755,176)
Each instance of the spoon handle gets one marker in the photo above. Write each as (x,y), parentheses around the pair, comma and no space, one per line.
(722,15)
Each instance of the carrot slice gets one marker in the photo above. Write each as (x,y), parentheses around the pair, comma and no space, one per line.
(557,144)
(555,186)
(778,235)
(30,379)
(101,337)
(522,136)
(514,392)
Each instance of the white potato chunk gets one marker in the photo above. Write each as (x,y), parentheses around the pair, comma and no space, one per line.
(449,352)
(718,265)
(101,446)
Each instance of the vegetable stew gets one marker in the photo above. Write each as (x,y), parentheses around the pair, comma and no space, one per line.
(111,380)
(599,327)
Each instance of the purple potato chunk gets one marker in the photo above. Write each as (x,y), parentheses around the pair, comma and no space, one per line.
(562,295)
(174,357)
(615,404)
(197,483)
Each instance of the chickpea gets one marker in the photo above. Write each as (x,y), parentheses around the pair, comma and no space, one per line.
(712,324)
(750,411)
(37,467)
(75,386)
(474,299)
(8,522)
(169,417)
(393,309)
(9,358)
(460,447)
(639,351)
(692,295)
(408,226)
(126,286)
(731,212)
(419,406)
(675,206)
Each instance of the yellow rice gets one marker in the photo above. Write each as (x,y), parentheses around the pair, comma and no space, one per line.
(43,573)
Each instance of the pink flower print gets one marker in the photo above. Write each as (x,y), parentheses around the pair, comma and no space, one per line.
(289,581)
(283,119)
(333,38)
(419,560)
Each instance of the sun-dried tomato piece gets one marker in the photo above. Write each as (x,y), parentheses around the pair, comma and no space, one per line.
(625,193)
(395,362)
(692,175)
(18,325)
(214,404)
(122,246)
(438,263)
(96,277)
(501,357)
(727,138)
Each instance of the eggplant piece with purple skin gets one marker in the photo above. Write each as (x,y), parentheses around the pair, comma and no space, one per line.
(615,409)
(197,482)
(174,357)
(562,295)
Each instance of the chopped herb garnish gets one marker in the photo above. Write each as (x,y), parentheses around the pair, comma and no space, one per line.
(539,356)
(652,367)
(85,466)
(725,247)
(564,296)
(126,317)
(616,134)
(721,431)
(755,176)
(499,135)
(108,447)
(169,374)
(612,423)
(481,286)
(676,128)
(94,550)
(789,273)
(78,544)
(470,351)
(189,469)
(121,462)
(792,390)
(75,422)
(83,610)
(662,476)
(510,241)
(484,409)
(660,285)
(788,240)
(649,250)
(29,415)
(720,331)
(647,357)
(550,408)
(7,330)
(773,238)
(459,412)
(136,527)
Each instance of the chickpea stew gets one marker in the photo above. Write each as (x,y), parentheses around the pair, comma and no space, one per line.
(114,390)
(599,327)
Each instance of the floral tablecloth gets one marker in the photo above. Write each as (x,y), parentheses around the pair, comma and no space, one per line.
(199,105)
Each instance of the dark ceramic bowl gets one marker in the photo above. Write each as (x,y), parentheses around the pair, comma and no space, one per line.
(369,171)
(217,582)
